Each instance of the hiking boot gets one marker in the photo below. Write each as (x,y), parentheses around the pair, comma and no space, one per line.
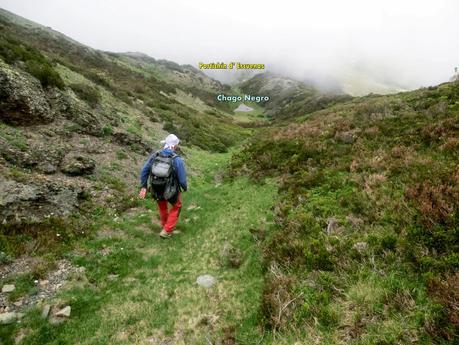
(164,234)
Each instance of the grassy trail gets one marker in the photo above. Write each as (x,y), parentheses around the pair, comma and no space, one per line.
(154,297)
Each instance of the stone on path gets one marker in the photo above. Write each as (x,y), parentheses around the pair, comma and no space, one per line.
(45,311)
(206,281)
(7,318)
(8,288)
(43,282)
(112,277)
(64,312)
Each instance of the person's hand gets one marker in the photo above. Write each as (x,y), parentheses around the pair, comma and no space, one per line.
(142,193)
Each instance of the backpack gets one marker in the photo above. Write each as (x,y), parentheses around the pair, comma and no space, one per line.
(163,181)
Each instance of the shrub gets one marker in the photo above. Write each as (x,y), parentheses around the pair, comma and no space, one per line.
(35,62)
(45,74)
(87,93)
(169,127)
(107,130)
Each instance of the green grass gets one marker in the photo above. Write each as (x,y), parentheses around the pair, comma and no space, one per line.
(156,295)
(13,137)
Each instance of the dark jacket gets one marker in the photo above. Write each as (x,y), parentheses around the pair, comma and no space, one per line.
(177,162)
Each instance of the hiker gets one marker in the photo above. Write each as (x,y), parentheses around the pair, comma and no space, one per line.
(167,176)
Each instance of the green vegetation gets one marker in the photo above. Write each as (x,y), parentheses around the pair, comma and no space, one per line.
(338,224)
(366,244)
(87,93)
(36,63)
(154,295)
(13,137)
(136,84)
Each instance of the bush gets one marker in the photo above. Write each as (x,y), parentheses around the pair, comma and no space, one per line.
(45,74)
(87,93)
(169,127)
(36,63)
(107,130)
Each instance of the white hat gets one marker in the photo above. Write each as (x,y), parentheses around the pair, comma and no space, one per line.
(170,141)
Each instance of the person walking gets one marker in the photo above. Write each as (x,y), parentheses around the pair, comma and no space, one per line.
(166,173)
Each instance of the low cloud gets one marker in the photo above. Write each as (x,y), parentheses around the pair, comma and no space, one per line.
(405,44)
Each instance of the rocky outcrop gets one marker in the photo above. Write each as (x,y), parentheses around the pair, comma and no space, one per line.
(45,159)
(76,111)
(133,141)
(77,165)
(22,203)
(22,99)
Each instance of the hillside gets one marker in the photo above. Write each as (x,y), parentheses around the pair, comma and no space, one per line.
(68,110)
(289,97)
(74,118)
(365,246)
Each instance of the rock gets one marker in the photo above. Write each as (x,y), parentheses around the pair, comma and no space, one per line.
(43,282)
(112,277)
(8,288)
(80,269)
(360,246)
(76,165)
(45,311)
(64,312)
(44,158)
(18,303)
(135,142)
(22,99)
(354,221)
(206,281)
(10,317)
(48,168)
(21,335)
(332,225)
(77,111)
(37,200)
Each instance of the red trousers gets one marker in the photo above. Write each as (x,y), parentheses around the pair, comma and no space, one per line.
(170,217)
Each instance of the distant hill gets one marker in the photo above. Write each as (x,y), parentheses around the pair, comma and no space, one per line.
(288,97)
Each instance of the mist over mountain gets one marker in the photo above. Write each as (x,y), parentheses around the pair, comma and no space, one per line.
(357,46)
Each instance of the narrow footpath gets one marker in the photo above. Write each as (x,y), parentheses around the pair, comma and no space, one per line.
(137,288)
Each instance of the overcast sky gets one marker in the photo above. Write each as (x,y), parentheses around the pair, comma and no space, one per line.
(410,42)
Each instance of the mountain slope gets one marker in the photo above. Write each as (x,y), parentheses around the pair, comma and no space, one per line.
(365,246)
(288,97)
(125,81)
(76,125)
